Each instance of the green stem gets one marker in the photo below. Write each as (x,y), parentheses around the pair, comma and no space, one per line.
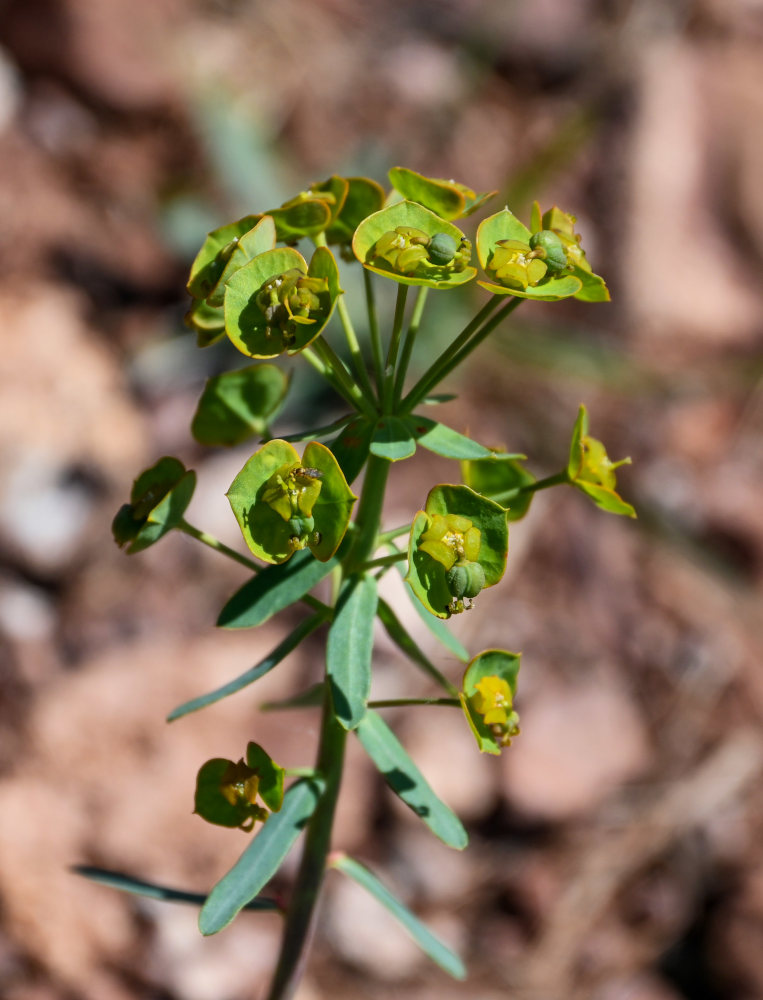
(338,368)
(223,549)
(373,328)
(217,545)
(475,341)
(394,345)
(431,376)
(410,340)
(385,560)
(392,534)
(541,484)
(300,919)
(349,332)
(402,702)
(312,359)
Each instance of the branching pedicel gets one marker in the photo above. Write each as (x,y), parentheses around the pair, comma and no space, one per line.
(295,510)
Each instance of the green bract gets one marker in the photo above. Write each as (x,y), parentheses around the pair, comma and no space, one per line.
(283,503)
(254,242)
(275,303)
(448,199)
(458,545)
(592,471)
(364,197)
(238,404)
(562,225)
(158,500)
(226,791)
(207,321)
(215,252)
(514,266)
(487,693)
(494,479)
(395,242)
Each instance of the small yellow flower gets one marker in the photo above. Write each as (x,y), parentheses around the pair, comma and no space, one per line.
(493,700)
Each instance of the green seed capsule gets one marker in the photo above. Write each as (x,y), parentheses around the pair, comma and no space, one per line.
(550,249)
(442,249)
(465,579)
(301,525)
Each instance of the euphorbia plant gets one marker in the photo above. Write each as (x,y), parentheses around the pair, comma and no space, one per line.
(299,518)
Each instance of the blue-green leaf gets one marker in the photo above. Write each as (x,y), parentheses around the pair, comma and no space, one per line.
(393,439)
(405,779)
(424,938)
(445,441)
(274,589)
(350,647)
(262,858)
(137,887)
(282,650)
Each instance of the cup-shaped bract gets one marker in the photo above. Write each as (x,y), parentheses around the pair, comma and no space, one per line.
(458,546)
(207,321)
(227,791)
(493,479)
(413,246)
(238,404)
(448,199)
(592,471)
(364,197)
(487,698)
(158,500)
(217,248)
(561,225)
(514,267)
(276,303)
(284,503)
(257,240)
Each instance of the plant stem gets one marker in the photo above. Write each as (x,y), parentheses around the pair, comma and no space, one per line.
(402,702)
(385,560)
(373,328)
(217,545)
(223,549)
(394,345)
(410,340)
(541,484)
(392,534)
(349,332)
(431,377)
(312,359)
(338,368)
(479,336)
(300,918)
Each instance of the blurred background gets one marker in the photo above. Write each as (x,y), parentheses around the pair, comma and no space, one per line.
(617,847)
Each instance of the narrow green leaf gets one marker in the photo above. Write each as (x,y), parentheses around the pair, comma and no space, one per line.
(274,589)
(409,646)
(443,440)
(424,938)
(282,650)
(262,858)
(393,439)
(350,648)
(405,779)
(137,887)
